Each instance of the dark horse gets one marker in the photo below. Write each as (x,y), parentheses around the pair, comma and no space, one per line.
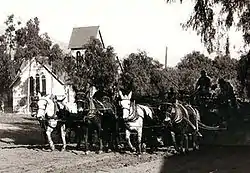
(73,120)
(99,116)
(182,120)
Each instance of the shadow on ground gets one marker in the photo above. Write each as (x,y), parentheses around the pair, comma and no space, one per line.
(233,159)
(22,130)
(21,133)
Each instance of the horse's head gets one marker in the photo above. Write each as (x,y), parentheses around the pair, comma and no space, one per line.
(42,104)
(125,104)
(168,111)
(80,101)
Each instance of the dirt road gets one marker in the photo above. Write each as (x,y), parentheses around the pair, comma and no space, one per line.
(21,151)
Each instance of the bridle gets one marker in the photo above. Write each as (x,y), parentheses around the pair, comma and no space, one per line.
(132,114)
(169,114)
(44,109)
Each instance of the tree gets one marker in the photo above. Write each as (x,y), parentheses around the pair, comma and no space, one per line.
(30,43)
(5,66)
(225,66)
(56,59)
(210,25)
(189,69)
(186,73)
(97,67)
(143,75)
(5,71)
(244,74)
(213,19)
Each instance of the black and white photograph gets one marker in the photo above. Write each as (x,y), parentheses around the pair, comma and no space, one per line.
(125,86)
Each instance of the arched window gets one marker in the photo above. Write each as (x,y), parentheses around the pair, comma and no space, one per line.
(37,83)
(44,84)
(78,54)
(32,86)
(78,58)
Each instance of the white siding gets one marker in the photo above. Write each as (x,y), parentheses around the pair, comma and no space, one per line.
(53,86)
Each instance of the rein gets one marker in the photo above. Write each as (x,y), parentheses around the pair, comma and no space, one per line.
(184,118)
(133,116)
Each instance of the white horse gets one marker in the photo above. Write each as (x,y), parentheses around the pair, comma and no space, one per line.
(47,116)
(133,115)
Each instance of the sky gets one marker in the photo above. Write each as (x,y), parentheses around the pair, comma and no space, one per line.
(127,25)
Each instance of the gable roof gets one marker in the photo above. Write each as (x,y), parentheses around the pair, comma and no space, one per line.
(81,35)
(26,64)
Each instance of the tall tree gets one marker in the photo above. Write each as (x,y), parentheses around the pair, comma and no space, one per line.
(212,18)
(56,59)
(5,66)
(143,75)
(188,70)
(243,70)
(97,67)
(30,43)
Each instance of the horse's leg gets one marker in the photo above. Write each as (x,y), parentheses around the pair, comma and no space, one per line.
(139,140)
(118,135)
(44,136)
(173,136)
(100,134)
(79,134)
(105,136)
(109,138)
(185,136)
(195,141)
(43,131)
(183,142)
(115,132)
(48,133)
(129,141)
(86,140)
(77,129)
(63,136)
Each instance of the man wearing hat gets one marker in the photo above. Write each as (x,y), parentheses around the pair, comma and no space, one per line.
(203,84)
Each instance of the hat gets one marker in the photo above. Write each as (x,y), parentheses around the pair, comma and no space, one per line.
(203,72)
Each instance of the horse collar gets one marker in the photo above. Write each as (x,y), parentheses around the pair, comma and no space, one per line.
(132,116)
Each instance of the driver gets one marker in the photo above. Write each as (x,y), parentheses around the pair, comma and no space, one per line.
(203,84)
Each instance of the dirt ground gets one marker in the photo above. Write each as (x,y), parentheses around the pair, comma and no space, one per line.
(22,150)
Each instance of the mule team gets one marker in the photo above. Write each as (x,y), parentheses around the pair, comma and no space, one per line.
(88,115)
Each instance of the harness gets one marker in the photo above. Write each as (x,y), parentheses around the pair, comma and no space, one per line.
(46,118)
(182,117)
(133,116)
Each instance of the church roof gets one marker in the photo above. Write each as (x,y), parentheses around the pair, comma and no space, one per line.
(81,35)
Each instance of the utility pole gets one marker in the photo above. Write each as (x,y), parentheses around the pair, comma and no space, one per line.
(166,57)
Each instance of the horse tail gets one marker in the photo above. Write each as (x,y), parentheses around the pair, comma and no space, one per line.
(195,115)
